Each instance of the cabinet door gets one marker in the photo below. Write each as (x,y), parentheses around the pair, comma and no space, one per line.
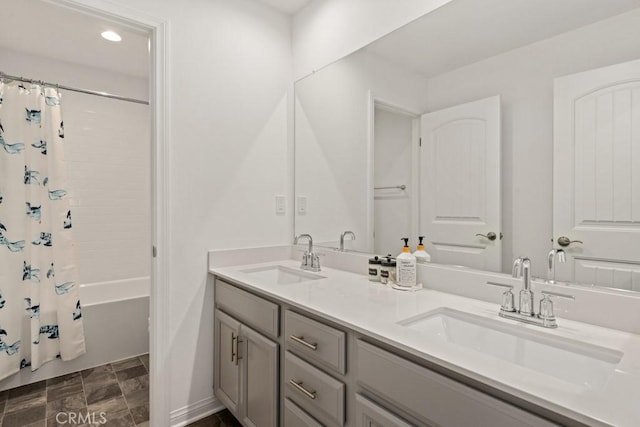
(368,414)
(259,357)
(226,365)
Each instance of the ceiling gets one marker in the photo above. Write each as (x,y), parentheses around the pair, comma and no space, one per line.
(465,31)
(290,7)
(39,28)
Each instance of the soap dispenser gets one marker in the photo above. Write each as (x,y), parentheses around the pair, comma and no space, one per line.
(406,266)
(421,255)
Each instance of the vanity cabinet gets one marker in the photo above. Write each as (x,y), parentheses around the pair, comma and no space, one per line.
(246,366)
(315,341)
(369,414)
(431,397)
(227,368)
(330,376)
(319,394)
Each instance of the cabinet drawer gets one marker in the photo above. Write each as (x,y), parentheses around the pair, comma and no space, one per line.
(368,414)
(315,341)
(310,388)
(432,397)
(251,309)
(296,417)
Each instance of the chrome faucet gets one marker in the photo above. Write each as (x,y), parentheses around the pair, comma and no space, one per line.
(545,316)
(343,235)
(551,263)
(310,261)
(522,268)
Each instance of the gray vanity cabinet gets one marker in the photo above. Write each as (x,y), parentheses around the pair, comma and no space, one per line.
(260,379)
(329,376)
(227,368)
(246,363)
(431,397)
(369,414)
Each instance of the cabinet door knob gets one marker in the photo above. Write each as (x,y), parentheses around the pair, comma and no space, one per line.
(564,241)
(298,386)
(300,340)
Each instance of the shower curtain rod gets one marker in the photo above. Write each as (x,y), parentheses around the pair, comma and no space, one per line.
(73,89)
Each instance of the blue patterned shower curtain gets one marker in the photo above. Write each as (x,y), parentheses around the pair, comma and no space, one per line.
(40,317)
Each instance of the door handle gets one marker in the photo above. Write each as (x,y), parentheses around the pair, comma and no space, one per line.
(490,236)
(564,241)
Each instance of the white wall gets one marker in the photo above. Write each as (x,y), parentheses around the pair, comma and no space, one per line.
(229,74)
(524,79)
(332,141)
(327,30)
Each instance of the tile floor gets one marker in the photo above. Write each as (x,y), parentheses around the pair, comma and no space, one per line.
(221,419)
(120,390)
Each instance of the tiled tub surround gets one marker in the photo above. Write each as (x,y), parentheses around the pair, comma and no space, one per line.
(120,390)
(368,308)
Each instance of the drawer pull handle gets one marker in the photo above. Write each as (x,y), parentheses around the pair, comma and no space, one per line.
(300,340)
(298,386)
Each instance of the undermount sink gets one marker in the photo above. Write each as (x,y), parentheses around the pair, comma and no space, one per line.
(281,275)
(576,362)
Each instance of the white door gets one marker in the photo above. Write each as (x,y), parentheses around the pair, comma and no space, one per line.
(596,195)
(460,184)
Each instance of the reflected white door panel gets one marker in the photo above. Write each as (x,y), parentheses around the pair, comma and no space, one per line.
(460,184)
(597,175)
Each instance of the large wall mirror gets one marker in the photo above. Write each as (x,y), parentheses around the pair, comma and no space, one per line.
(495,128)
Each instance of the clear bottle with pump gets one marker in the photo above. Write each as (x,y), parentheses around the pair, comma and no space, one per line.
(421,255)
(406,266)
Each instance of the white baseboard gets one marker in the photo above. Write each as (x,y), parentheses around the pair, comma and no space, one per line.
(195,411)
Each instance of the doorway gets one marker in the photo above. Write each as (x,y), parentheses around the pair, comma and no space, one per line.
(158,192)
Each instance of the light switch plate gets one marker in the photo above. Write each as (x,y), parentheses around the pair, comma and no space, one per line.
(281,205)
(301,202)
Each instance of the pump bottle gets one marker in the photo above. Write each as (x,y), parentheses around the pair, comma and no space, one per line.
(406,266)
(421,255)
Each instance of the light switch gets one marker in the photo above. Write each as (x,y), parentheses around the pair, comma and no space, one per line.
(281,205)
(301,201)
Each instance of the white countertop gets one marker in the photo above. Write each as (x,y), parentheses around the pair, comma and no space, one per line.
(373,309)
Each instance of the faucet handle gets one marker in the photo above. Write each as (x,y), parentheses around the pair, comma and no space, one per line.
(549,294)
(507,297)
(314,265)
(546,305)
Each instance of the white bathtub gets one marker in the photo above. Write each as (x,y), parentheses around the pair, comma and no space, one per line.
(108,292)
(115,316)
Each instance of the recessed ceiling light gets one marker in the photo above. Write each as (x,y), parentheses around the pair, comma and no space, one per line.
(112,36)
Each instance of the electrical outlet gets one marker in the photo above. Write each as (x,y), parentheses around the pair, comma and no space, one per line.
(281,205)
(301,202)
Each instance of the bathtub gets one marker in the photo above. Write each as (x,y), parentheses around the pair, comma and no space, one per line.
(116,327)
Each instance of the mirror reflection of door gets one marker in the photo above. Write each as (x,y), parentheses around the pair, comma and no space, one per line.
(396,137)
(597,175)
(460,198)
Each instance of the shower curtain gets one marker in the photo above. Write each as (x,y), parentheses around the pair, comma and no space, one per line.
(40,313)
